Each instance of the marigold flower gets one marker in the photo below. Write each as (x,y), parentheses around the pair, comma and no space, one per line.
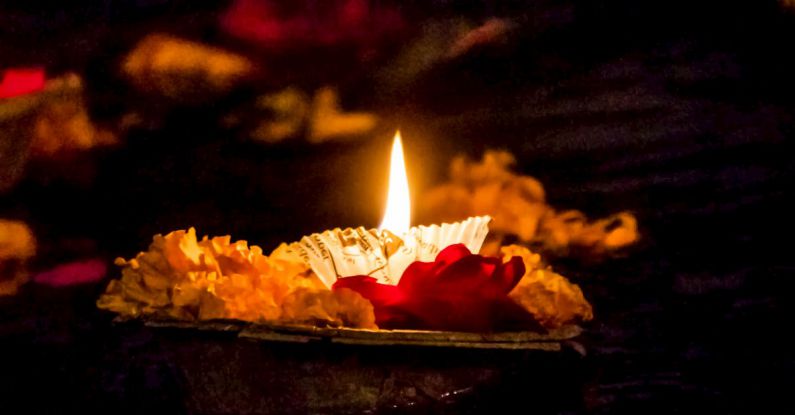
(548,296)
(518,207)
(186,278)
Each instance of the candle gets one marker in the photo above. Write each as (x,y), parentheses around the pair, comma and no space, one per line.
(386,252)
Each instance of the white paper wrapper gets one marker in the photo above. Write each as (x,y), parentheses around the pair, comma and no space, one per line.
(341,253)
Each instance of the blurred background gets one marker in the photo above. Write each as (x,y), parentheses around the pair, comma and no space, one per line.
(269,120)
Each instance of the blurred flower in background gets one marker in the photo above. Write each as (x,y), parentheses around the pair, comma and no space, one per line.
(72,273)
(44,121)
(18,104)
(21,81)
(63,125)
(17,247)
(519,210)
(183,70)
(321,118)
(308,23)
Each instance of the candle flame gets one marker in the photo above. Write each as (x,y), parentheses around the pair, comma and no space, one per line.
(397,217)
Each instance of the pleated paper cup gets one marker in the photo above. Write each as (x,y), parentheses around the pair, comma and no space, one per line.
(340,253)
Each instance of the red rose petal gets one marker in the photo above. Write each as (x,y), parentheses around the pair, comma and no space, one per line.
(459,291)
(450,312)
(418,277)
(470,275)
(452,254)
(509,274)
(380,294)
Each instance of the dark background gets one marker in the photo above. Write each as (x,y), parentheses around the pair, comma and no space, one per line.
(681,112)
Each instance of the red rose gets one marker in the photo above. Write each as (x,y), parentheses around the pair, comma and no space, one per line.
(459,291)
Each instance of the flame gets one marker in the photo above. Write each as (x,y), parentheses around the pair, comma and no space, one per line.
(397,217)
